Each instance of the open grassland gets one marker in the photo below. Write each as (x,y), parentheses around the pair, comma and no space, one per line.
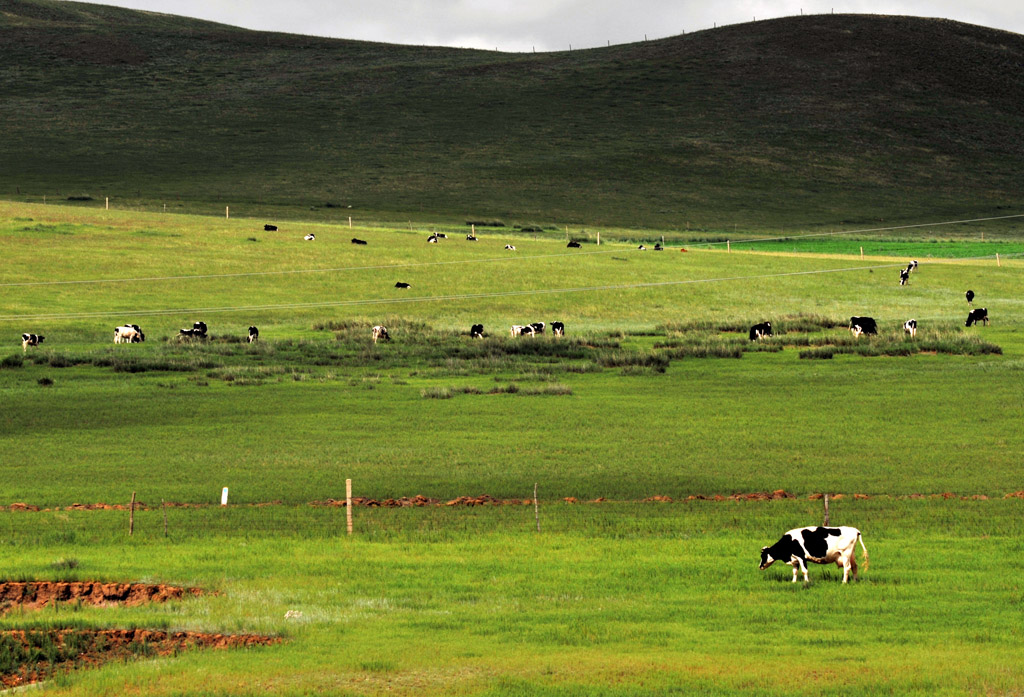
(610,599)
(654,391)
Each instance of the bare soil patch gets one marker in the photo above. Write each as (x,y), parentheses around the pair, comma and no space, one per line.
(36,594)
(28,656)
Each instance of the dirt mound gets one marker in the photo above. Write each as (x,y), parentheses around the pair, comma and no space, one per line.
(34,655)
(37,594)
(776,495)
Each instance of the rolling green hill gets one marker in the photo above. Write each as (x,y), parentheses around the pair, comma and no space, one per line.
(804,121)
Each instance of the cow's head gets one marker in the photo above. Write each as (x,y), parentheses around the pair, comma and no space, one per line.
(766,559)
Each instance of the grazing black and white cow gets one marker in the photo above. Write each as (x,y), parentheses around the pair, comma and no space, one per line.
(558,328)
(970,297)
(538,327)
(30,340)
(819,545)
(471,237)
(432,239)
(912,266)
(380,332)
(511,247)
(401,284)
(904,276)
(863,325)
(522,330)
(254,335)
(573,244)
(356,240)
(978,314)
(440,235)
(128,334)
(760,331)
(270,228)
(910,327)
(198,331)
(477,331)
(310,237)
(658,247)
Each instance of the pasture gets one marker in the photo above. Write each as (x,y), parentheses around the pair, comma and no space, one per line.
(655,391)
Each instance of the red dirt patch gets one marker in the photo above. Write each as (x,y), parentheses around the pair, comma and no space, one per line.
(37,594)
(34,655)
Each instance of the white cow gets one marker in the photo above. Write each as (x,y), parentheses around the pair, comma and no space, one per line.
(819,545)
(310,237)
(380,332)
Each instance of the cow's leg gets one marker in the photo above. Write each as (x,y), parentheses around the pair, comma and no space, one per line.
(853,565)
(794,571)
(803,568)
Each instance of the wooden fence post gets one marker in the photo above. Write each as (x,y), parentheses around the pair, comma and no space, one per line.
(227,211)
(536,506)
(348,504)
(997,259)
(131,516)
(825,498)
(728,246)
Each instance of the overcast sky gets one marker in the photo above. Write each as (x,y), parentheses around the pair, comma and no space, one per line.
(545,25)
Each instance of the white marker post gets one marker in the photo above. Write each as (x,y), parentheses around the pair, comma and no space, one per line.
(224,496)
(227,211)
(348,504)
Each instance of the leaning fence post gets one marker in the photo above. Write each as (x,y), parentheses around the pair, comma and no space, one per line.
(131,516)
(825,498)
(348,504)
(997,259)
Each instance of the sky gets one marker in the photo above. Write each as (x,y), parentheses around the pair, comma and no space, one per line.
(545,25)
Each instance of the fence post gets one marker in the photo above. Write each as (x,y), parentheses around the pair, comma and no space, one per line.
(825,498)
(224,496)
(350,221)
(348,504)
(728,246)
(227,211)
(131,516)
(997,259)
(536,506)
(861,252)
(106,205)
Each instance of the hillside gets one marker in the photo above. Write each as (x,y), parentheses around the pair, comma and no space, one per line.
(803,121)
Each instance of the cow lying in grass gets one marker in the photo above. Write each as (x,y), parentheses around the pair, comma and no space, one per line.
(819,545)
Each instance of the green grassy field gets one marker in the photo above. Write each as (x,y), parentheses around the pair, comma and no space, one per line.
(654,391)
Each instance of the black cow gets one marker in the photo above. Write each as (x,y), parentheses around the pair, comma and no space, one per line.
(400,284)
(970,297)
(356,240)
(574,244)
(978,314)
(760,331)
(904,276)
(558,328)
(30,340)
(658,247)
(819,545)
(254,334)
(198,331)
(270,228)
(863,325)
(477,331)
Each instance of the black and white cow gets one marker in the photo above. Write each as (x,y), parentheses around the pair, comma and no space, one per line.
(440,235)
(910,327)
(30,340)
(270,228)
(558,328)
(380,332)
(356,240)
(128,334)
(658,247)
(198,331)
(510,247)
(978,314)
(402,284)
(310,237)
(642,248)
(521,330)
(477,331)
(819,545)
(904,276)
(471,237)
(912,266)
(573,244)
(254,335)
(970,297)
(538,327)
(760,331)
(863,325)
(432,239)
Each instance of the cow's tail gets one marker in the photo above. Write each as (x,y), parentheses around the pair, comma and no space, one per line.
(865,549)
